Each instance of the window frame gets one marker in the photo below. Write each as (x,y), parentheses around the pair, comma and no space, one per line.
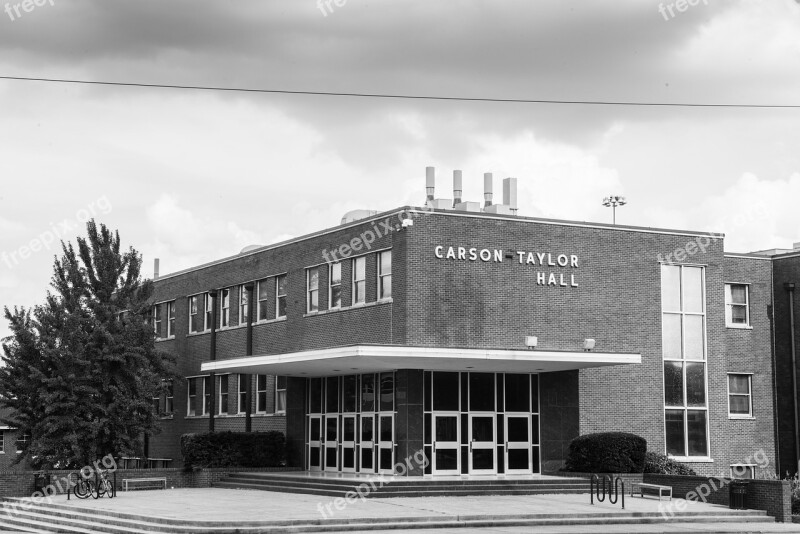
(382,275)
(261,303)
(191,399)
(749,396)
(169,397)
(208,311)
(157,320)
(170,319)
(23,437)
(354,293)
(729,304)
(685,408)
(260,391)
(279,296)
(243,305)
(225,308)
(222,399)
(332,285)
(278,391)
(207,392)
(194,304)
(312,292)
(241,394)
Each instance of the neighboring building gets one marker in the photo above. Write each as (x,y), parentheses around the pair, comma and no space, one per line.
(381,338)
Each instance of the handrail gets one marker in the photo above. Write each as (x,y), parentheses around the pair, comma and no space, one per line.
(613,497)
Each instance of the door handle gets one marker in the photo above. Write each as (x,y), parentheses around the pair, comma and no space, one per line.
(434,446)
(470,446)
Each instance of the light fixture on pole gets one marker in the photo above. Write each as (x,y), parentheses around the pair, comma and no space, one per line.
(612,202)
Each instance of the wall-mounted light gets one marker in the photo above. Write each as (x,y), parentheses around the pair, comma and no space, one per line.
(531,342)
(588,344)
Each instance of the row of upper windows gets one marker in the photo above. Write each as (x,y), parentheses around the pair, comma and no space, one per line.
(164,404)
(270,295)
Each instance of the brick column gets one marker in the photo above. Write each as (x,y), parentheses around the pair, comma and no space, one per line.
(408,423)
(296,422)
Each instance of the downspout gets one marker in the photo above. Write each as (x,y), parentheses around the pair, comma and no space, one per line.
(212,357)
(789,286)
(248,411)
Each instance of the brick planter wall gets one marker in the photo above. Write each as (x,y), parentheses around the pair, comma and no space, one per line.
(772,496)
(20,483)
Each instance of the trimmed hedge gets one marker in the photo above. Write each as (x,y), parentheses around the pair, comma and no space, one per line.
(233,449)
(607,452)
(655,462)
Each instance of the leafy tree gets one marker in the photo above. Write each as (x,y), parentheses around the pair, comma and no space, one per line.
(80,370)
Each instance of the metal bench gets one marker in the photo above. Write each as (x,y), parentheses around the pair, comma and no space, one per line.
(661,491)
(147,482)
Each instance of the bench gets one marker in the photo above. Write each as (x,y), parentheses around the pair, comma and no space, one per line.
(662,491)
(146,482)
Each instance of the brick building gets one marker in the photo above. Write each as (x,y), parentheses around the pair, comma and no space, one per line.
(485,340)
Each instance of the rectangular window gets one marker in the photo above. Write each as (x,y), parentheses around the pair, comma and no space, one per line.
(242,398)
(2,441)
(740,395)
(312,289)
(223,395)
(243,305)
(335,286)
(737,305)
(261,394)
(22,441)
(280,394)
(359,280)
(262,300)
(385,275)
(194,316)
(157,320)
(684,353)
(191,397)
(225,308)
(209,309)
(171,319)
(169,404)
(280,296)
(207,392)
(156,405)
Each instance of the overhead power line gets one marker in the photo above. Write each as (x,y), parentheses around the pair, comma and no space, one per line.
(400,96)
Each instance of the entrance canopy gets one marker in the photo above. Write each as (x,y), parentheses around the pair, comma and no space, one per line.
(375,358)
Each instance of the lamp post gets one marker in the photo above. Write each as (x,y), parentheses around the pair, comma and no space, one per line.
(612,202)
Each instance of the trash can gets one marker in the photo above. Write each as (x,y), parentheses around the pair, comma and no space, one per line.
(40,481)
(738,494)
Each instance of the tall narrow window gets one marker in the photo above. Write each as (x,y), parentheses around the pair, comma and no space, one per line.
(359,280)
(335,290)
(156,401)
(194,316)
(262,300)
(22,441)
(280,394)
(242,399)
(280,296)
(737,306)
(191,397)
(312,290)
(169,404)
(208,390)
(225,308)
(740,395)
(223,395)
(261,394)
(171,319)
(209,308)
(684,351)
(243,305)
(385,275)
(157,320)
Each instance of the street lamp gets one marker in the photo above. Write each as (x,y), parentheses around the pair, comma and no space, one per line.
(612,202)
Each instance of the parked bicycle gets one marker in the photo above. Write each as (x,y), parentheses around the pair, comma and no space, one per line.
(101,485)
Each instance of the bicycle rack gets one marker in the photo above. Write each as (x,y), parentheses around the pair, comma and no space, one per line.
(612,489)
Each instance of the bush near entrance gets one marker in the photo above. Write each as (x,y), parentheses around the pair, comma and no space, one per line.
(233,449)
(661,464)
(607,452)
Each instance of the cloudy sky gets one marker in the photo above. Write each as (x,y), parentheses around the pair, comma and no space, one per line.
(191,176)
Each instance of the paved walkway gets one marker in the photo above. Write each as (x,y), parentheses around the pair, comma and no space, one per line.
(249,505)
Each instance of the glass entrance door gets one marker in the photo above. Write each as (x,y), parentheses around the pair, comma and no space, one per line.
(331,442)
(367,444)
(315,443)
(349,443)
(482,444)
(445,444)
(518,444)
(386,443)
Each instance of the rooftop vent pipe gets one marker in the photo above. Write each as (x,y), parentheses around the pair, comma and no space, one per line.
(510,194)
(430,181)
(457,189)
(487,188)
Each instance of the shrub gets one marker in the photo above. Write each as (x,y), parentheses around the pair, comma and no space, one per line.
(233,449)
(607,452)
(661,464)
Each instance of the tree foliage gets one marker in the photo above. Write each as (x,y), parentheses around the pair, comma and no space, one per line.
(81,369)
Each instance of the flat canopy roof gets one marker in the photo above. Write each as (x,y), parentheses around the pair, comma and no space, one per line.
(357,359)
